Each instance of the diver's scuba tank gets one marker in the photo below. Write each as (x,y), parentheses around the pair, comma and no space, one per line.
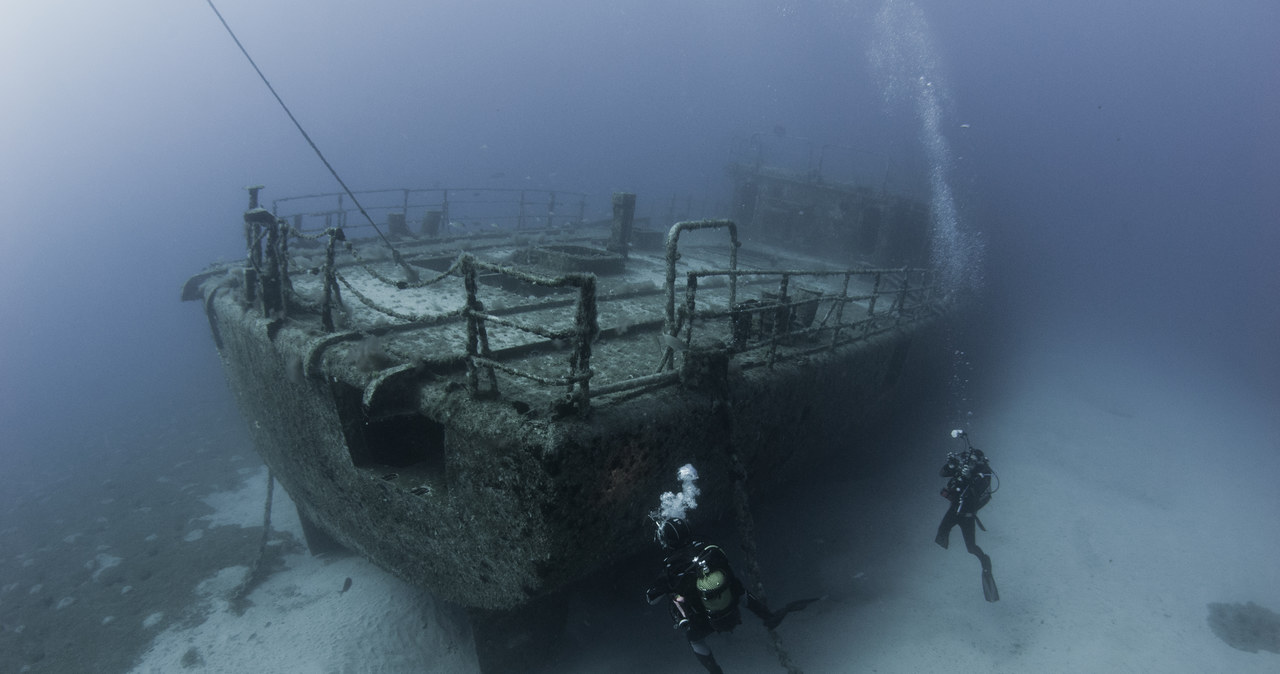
(965,469)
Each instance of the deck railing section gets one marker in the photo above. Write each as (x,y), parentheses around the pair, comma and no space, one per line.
(776,318)
(788,316)
(269,287)
(436,211)
(582,333)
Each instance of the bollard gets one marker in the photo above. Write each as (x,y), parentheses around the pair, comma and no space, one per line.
(396,225)
(253,195)
(624,211)
(431,223)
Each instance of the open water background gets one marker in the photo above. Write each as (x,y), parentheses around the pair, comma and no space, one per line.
(1104,175)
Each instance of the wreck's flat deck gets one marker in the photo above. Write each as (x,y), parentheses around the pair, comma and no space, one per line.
(456,466)
(631,309)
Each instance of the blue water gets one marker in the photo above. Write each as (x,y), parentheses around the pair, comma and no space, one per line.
(1102,177)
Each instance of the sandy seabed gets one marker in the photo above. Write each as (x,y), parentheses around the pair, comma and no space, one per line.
(1132,495)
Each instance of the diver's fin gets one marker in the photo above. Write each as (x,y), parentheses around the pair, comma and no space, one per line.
(709,661)
(989,586)
(798,605)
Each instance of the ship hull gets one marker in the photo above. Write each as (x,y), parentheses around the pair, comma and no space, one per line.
(512,505)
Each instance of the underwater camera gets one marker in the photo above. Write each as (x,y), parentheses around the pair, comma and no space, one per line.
(963,464)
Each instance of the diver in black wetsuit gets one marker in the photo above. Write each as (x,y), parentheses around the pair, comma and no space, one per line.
(704,591)
(967,490)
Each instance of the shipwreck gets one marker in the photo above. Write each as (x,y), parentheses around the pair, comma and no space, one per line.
(485,392)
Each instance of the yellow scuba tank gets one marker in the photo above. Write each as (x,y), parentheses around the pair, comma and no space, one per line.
(713,584)
(714,587)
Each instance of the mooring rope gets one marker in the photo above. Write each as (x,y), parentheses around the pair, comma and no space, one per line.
(409,271)
(747,532)
(258,572)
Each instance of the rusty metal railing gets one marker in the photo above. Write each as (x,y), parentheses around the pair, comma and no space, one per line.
(909,290)
(777,318)
(437,209)
(583,332)
(803,319)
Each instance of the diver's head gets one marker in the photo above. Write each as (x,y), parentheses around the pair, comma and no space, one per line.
(673,533)
(970,461)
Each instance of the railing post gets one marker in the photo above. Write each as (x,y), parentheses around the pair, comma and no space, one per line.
(469,281)
(733,261)
(875,294)
(586,327)
(781,318)
(477,337)
(624,211)
(271,276)
(902,298)
(690,304)
(868,325)
(253,253)
(444,210)
(331,291)
(286,283)
(844,297)
(261,280)
(783,285)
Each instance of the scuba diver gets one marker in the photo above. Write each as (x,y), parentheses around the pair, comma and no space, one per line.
(968,489)
(703,590)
